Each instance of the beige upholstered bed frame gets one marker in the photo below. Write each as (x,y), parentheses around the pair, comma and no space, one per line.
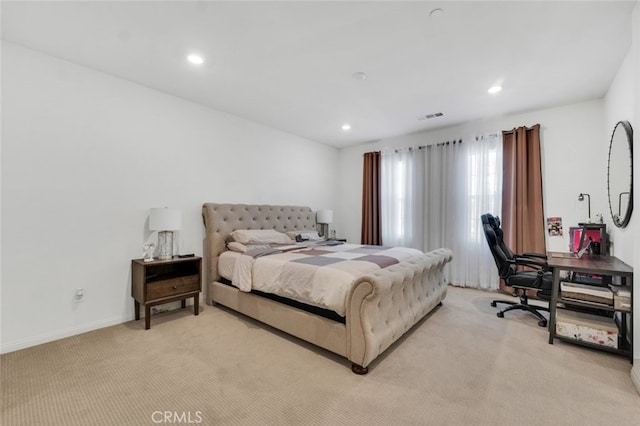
(381,306)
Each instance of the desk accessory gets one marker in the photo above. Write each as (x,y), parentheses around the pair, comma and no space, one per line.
(581,198)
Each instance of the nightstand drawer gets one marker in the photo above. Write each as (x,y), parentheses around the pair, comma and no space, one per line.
(173,287)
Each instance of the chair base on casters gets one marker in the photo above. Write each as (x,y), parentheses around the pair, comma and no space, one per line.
(523,306)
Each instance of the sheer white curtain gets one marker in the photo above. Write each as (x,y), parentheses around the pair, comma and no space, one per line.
(433,197)
(402,194)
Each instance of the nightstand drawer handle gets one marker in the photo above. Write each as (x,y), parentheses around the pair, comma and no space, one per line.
(175,286)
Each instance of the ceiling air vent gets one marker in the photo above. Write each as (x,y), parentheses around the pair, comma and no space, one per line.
(430,116)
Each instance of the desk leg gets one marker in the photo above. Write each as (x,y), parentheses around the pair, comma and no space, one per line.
(630,281)
(555,287)
(196,304)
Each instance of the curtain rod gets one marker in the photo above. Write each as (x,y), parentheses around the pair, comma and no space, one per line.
(455,141)
(411,148)
(489,135)
(508,132)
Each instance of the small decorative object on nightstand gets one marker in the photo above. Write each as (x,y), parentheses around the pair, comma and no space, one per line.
(163,281)
(148,251)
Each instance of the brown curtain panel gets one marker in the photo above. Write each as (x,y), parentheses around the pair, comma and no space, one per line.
(371,232)
(522,208)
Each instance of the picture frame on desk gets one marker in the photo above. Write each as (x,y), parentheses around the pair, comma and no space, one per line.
(575,237)
(591,236)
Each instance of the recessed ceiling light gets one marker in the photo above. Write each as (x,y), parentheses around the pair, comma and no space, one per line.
(495,89)
(436,12)
(195,59)
(358,76)
(346,127)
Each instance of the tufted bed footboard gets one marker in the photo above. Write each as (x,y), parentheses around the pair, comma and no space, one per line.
(384,305)
(381,306)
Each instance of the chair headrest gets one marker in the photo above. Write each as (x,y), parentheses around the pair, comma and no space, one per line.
(491,236)
(492,220)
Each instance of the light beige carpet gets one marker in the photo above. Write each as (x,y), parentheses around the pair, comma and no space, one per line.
(461,366)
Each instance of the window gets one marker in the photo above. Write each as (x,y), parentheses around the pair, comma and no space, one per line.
(434,197)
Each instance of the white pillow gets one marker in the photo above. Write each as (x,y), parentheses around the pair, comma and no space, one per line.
(259,236)
(242,248)
(236,246)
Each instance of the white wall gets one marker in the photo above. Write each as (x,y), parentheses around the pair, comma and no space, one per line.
(622,102)
(635,47)
(619,106)
(628,83)
(84,157)
(571,141)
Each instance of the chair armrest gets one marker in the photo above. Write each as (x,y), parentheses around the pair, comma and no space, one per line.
(539,255)
(533,263)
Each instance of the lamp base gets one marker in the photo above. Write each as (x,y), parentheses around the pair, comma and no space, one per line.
(165,245)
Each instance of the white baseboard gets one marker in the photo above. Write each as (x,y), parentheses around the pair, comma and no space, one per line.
(635,374)
(50,337)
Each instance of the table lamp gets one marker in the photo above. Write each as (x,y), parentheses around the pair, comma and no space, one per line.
(324,218)
(165,221)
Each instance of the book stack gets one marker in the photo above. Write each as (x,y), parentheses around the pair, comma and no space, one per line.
(586,293)
(621,297)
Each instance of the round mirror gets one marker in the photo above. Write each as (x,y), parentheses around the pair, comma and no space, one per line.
(620,174)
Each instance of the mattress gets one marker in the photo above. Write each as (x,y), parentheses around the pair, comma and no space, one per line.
(226,265)
(319,275)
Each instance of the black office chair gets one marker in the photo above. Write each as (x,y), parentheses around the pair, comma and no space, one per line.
(536,277)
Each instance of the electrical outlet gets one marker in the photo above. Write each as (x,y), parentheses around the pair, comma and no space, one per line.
(78,296)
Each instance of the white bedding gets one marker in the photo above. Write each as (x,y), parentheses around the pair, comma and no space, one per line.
(322,277)
(226,263)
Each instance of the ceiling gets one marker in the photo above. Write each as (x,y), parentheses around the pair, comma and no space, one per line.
(290,65)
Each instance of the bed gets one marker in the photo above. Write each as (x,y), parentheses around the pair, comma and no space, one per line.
(380,305)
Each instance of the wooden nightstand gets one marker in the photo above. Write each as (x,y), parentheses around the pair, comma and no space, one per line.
(163,281)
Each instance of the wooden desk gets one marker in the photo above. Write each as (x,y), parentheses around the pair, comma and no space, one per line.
(590,264)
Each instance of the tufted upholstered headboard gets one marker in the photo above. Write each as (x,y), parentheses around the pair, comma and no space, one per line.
(222,219)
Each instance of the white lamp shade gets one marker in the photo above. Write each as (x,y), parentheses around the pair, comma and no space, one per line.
(165,219)
(324,216)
